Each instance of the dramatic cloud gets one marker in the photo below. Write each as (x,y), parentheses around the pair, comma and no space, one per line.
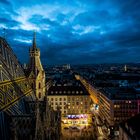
(75,31)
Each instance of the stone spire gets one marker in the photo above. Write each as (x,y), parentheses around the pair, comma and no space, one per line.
(36,71)
(34,41)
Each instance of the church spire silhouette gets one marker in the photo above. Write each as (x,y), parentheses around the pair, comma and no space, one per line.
(34,41)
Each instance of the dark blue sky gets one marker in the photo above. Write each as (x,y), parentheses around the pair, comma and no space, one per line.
(74,31)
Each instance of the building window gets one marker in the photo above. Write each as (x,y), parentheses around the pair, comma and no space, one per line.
(32,85)
(60,99)
(39,95)
(86,107)
(39,86)
(51,99)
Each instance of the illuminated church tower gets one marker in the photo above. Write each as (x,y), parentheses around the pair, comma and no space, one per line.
(36,71)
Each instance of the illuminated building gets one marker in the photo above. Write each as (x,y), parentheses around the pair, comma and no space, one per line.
(66,66)
(71,99)
(91,90)
(74,102)
(125,68)
(117,105)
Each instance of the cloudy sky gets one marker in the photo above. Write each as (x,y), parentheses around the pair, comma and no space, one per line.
(73,31)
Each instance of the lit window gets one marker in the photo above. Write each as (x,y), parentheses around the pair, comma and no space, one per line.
(118,106)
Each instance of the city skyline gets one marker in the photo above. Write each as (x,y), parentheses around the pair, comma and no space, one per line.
(75,32)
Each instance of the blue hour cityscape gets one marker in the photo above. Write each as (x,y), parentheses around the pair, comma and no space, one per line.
(69,70)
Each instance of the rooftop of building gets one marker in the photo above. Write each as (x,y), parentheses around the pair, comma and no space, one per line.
(117,76)
(67,90)
(117,93)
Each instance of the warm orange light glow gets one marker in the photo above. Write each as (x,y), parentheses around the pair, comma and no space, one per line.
(91,90)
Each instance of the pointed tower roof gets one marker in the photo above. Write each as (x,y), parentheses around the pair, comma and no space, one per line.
(34,41)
